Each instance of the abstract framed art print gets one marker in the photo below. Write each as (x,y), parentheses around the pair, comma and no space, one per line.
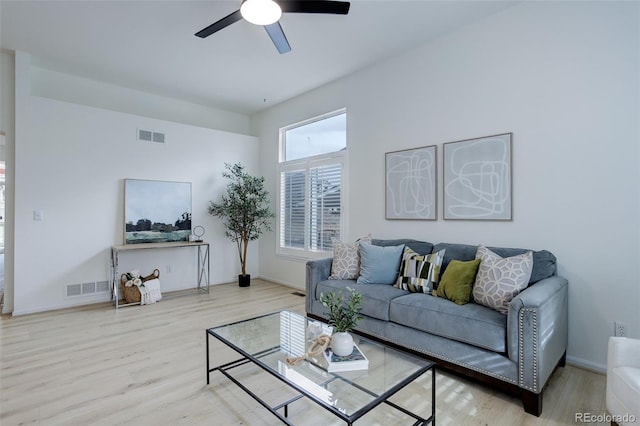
(477,178)
(410,178)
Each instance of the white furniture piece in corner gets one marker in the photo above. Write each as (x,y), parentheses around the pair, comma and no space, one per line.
(623,381)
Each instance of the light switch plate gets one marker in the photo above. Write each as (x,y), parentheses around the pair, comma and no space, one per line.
(38,215)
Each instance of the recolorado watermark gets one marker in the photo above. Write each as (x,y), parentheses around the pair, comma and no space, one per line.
(604,418)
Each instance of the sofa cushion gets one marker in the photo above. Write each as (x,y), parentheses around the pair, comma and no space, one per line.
(457,282)
(421,247)
(375,297)
(346,259)
(500,279)
(379,265)
(471,323)
(419,273)
(544,262)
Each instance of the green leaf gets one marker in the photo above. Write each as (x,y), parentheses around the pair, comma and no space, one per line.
(344,316)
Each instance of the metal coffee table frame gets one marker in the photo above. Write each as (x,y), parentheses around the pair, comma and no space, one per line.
(255,358)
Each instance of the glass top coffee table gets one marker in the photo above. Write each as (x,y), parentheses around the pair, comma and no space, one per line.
(267,340)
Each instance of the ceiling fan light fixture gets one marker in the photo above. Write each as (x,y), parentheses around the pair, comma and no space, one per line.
(261,12)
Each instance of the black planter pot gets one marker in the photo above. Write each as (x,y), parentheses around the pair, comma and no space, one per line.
(244,280)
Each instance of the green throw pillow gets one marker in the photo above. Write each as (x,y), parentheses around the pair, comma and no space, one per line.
(457,281)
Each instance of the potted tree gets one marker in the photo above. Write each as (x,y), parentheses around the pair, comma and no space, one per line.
(343,317)
(244,210)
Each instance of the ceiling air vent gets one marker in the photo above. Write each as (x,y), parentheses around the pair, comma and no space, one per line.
(158,137)
(150,136)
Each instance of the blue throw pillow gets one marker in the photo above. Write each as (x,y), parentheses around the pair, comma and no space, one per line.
(379,265)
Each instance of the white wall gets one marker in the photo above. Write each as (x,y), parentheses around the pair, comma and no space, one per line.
(70,162)
(564,78)
(56,85)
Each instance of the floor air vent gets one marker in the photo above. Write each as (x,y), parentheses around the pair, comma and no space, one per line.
(88,288)
(74,290)
(84,289)
(102,286)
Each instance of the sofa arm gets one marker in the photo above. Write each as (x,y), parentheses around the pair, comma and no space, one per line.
(537,331)
(317,270)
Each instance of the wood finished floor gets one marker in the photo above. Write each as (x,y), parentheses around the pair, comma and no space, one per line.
(146,366)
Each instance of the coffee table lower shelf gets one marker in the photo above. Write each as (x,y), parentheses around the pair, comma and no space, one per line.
(281,410)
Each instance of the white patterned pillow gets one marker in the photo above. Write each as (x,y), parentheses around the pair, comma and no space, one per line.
(499,279)
(346,259)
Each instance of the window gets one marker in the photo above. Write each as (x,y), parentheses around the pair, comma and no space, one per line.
(311,196)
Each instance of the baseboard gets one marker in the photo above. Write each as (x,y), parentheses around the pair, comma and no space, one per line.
(41,309)
(587,365)
(93,300)
(285,283)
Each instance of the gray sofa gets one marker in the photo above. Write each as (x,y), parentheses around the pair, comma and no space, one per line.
(516,352)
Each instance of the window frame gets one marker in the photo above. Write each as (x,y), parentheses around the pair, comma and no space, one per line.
(306,164)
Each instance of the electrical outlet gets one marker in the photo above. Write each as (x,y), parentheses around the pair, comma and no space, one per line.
(168,269)
(619,329)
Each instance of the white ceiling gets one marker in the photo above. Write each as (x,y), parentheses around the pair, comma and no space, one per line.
(150,45)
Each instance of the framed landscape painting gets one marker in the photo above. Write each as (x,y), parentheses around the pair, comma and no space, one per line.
(156,211)
(410,179)
(477,178)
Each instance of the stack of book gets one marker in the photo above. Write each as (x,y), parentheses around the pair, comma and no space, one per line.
(355,361)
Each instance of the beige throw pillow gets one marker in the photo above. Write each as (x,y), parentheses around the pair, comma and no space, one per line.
(346,259)
(499,279)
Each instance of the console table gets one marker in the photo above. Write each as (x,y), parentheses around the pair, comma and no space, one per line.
(204,267)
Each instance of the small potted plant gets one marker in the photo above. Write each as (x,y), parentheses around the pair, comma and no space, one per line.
(245,212)
(343,317)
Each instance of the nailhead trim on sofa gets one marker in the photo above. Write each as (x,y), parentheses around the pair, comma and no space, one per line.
(521,351)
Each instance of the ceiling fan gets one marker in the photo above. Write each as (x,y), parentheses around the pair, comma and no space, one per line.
(268,13)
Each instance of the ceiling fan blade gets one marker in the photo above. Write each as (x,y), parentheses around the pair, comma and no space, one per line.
(314,6)
(217,26)
(278,37)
